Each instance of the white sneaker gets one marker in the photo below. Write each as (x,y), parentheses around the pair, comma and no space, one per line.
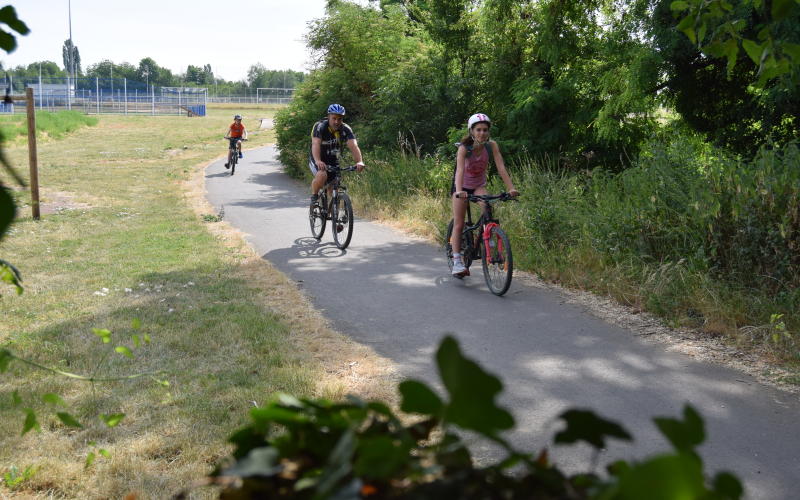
(458,267)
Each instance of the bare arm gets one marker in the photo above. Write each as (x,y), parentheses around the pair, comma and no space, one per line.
(461,156)
(228,133)
(501,169)
(352,144)
(316,146)
(244,133)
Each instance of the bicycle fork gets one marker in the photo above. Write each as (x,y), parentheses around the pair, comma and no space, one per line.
(487,242)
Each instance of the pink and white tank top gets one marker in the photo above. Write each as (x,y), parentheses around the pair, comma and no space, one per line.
(475,166)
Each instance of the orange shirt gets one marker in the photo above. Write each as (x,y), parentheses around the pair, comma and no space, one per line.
(237,129)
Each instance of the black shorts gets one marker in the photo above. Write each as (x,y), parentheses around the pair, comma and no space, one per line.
(233,141)
(312,165)
(453,189)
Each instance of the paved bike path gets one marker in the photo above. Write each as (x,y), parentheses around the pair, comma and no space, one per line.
(393,292)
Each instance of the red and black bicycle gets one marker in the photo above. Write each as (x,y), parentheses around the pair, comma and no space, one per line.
(485,240)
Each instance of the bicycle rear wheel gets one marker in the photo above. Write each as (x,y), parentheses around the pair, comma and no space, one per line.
(466,247)
(342,221)
(316,217)
(233,160)
(498,265)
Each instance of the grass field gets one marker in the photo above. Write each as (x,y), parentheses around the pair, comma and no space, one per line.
(14,128)
(127,235)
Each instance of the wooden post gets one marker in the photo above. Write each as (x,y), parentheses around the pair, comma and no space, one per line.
(32,156)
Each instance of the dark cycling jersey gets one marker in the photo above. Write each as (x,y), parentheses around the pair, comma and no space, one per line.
(332,141)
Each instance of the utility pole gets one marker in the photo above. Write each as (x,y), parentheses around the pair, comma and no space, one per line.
(33,158)
(40,85)
(71,69)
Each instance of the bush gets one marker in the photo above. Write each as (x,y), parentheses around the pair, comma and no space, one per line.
(317,449)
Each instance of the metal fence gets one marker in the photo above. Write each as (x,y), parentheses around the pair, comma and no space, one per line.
(123,96)
(112,96)
(248,100)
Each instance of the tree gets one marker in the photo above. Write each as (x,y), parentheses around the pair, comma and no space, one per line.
(741,109)
(72,58)
(194,74)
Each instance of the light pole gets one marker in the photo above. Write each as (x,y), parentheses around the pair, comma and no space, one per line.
(71,69)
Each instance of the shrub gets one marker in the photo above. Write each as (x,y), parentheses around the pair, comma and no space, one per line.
(318,449)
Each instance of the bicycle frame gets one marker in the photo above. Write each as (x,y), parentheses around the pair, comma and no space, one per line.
(487,221)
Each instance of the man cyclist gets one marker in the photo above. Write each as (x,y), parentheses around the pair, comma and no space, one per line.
(236,134)
(327,138)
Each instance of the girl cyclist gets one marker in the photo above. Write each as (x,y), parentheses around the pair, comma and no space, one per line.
(472,161)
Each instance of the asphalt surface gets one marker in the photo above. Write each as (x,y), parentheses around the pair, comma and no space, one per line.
(393,293)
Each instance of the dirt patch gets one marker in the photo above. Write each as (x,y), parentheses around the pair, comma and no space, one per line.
(56,202)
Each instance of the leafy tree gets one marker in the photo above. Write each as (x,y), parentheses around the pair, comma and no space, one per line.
(147,69)
(194,74)
(71,57)
(109,69)
(719,29)
(723,104)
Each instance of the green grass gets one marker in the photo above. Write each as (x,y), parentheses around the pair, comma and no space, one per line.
(55,125)
(126,245)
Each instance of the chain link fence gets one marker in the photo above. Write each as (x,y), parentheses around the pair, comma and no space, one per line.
(110,96)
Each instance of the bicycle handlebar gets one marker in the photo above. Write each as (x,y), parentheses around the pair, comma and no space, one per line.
(475,198)
(332,168)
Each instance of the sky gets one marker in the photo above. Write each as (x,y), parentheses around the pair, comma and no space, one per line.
(230,36)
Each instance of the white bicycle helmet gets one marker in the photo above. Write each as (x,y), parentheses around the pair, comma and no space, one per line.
(477,118)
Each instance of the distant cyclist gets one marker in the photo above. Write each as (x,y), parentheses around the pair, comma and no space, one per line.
(327,138)
(236,134)
(472,162)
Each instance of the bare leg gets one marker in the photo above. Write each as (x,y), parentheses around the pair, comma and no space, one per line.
(320,179)
(459,209)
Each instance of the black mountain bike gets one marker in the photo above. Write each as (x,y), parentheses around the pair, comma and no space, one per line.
(485,240)
(233,154)
(338,209)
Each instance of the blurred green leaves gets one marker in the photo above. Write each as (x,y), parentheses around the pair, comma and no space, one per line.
(8,16)
(316,449)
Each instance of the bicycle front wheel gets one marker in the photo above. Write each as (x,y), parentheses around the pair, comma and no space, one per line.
(316,217)
(234,159)
(498,265)
(342,221)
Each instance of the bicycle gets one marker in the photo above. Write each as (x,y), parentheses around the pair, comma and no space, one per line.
(233,153)
(339,210)
(495,250)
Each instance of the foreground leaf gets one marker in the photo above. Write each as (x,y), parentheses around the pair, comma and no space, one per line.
(684,434)
(585,425)
(112,420)
(472,392)
(419,398)
(30,423)
(69,420)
